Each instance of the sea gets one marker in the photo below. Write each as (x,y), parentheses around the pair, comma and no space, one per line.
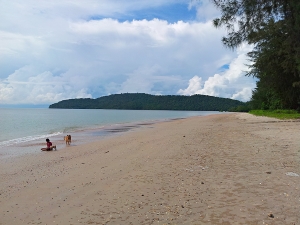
(23,131)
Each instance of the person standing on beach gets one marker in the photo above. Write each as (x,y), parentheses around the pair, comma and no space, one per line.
(49,146)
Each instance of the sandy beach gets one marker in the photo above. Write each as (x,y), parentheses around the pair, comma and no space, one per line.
(218,169)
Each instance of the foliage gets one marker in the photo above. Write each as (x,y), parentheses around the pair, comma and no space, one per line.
(241,108)
(279,114)
(139,101)
(264,97)
(273,27)
(275,69)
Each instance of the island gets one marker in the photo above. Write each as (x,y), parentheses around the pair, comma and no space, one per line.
(142,101)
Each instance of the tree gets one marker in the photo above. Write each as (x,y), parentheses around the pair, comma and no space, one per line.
(273,27)
(275,68)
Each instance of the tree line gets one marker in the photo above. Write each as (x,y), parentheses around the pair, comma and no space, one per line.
(140,101)
(273,28)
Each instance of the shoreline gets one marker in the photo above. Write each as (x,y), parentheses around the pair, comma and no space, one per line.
(79,137)
(217,169)
(21,125)
(100,125)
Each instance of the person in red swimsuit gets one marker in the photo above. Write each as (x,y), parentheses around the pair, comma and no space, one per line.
(49,146)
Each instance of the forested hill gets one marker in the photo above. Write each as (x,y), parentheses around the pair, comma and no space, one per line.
(140,101)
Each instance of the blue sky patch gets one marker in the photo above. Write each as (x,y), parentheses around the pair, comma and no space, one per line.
(171,13)
(224,67)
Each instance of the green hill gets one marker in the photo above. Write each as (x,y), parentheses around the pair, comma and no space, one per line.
(139,101)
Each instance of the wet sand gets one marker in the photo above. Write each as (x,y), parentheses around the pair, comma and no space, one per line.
(217,169)
(79,137)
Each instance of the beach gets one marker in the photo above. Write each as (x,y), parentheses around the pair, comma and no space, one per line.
(218,169)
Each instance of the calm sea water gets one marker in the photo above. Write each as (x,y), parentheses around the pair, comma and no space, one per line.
(27,125)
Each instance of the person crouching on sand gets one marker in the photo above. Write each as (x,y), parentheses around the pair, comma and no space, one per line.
(49,146)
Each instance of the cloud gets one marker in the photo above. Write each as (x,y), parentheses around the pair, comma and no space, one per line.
(206,11)
(195,85)
(231,84)
(67,49)
(244,94)
(26,85)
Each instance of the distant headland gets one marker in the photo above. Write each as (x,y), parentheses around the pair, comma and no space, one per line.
(141,101)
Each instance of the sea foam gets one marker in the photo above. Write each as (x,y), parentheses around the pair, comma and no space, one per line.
(27,139)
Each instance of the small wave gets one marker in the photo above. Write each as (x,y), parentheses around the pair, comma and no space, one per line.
(27,139)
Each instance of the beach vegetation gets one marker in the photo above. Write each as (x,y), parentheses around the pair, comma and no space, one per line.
(273,29)
(279,114)
(241,108)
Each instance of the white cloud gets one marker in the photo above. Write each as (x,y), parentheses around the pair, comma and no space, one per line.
(205,9)
(195,84)
(26,85)
(231,84)
(52,50)
(243,95)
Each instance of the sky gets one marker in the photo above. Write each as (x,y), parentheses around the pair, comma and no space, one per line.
(63,49)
